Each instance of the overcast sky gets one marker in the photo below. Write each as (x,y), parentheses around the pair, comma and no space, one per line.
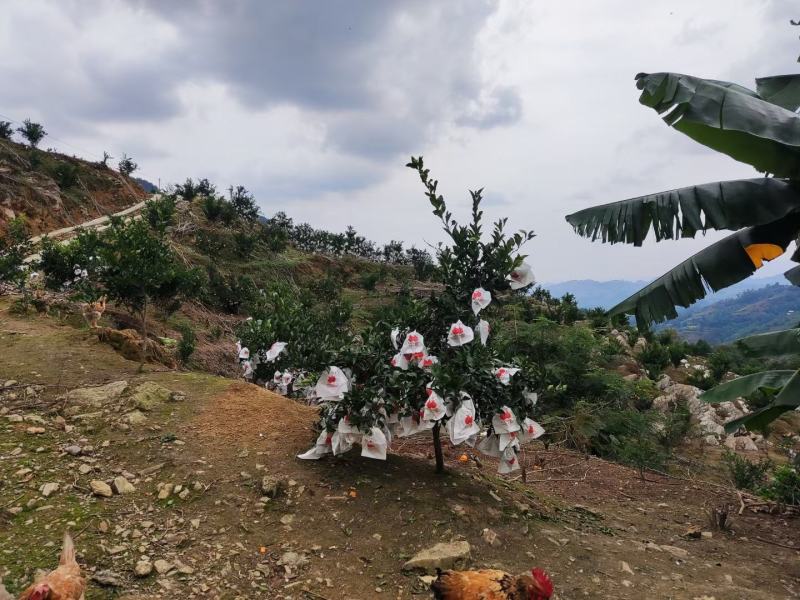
(316,106)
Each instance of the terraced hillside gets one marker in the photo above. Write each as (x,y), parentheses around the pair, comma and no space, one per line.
(53,190)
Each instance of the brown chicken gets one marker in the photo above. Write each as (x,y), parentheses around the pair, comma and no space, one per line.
(92,311)
(65,583)
(491,584)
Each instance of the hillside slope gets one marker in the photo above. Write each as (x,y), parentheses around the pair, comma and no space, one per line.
(756,311)
(250,520)
(53,190)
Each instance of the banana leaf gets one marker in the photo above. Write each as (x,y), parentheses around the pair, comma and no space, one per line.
(746,385)
(776,343)
(793,275)
(788,399)
(728,118)
(783,90)
(685,211)
(723,263)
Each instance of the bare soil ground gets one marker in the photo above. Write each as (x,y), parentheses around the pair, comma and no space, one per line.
(598,528)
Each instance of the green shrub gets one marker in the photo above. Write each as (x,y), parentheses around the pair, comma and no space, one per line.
(212,243)
(569,363)
(274,235)
(677,352)
(642,452)
(140,269)
(567,312)
(187,190)
(59,261)
(597,317)
(35,158)
(218,209)
(244,244)
(160,213)
(32,132)
(744,474)
(655,358)
(720,361)
(243,203)
(187,343)
(665,337)
(628,436)
(316,332)
(677,425)
(230,293)
(126,165)
(6,130)
(14,247)
(700,378)
(66,175)
(370,279)
(700,348)
(422,263)
(784,486)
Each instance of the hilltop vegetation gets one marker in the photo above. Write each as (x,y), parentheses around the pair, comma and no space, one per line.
(53,190)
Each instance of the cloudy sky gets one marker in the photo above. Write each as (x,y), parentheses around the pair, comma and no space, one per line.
(316,106)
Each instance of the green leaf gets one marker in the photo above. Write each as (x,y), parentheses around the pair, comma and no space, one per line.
(788,399)
(742,386)
(728,118)
(756,420)
(776,343)
(783,90)
(685,211)
(793,275)
(722,264)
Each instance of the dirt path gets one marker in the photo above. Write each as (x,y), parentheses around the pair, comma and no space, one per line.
(341,527)
(98,223)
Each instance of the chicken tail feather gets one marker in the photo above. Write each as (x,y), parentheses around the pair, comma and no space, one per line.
(442,586)
(67,551)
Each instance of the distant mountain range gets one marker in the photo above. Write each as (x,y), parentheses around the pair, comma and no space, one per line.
(770,308)
(147,186)
(605,294)
(590,293)
(755,305)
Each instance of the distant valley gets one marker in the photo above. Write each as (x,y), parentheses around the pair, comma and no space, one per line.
(752,306)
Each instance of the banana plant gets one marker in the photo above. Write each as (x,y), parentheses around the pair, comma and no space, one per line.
(760,128)
(783,385)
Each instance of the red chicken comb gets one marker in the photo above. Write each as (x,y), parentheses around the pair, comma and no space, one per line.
(544,581)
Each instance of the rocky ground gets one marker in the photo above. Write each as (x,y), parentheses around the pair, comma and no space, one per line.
(184,484)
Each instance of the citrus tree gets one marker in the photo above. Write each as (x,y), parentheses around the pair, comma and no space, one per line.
(33,132)
(139,269)
(432,365)
(290,332)
(760,128)
(14,247)
(130,262)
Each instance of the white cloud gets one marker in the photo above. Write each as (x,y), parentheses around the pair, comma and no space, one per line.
(316,107)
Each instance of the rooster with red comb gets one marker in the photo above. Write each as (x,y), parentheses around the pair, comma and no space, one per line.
(491,584)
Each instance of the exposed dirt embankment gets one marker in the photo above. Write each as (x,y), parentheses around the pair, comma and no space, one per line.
(54,190)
